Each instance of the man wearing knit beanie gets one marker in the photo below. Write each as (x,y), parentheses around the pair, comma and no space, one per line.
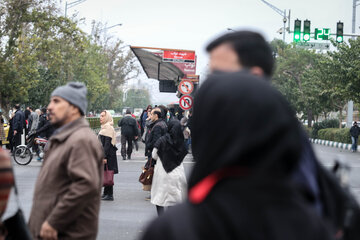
(67,192)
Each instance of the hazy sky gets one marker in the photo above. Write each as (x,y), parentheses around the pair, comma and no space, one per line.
(192,24)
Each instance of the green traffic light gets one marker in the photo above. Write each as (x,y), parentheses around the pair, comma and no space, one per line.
(306,37)
(339,39)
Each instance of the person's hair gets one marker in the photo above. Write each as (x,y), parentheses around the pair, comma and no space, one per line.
(128,111)
(43,110)
(30,108)
(157,111)
(355,122)
(17,106)
(163,110)
(148,107)
(251,49)
(38,111)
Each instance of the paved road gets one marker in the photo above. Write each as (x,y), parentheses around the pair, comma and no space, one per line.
(126,217)
(327,155)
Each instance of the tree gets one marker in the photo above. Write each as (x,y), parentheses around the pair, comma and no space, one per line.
(16,73)
(137,98)
(291,79)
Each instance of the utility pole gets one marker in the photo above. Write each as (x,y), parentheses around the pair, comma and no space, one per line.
(350,111)
(281,13)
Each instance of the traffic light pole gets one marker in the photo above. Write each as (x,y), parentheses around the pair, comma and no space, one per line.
(350,111)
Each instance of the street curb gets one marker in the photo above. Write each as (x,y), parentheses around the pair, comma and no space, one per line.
(346,146)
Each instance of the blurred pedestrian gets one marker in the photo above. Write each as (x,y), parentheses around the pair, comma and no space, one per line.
(6,183)
(354,133)
(186,131)
(240,185)
(248,51)
(129,132)
(18,125)
(143,118)
(34,120)
(10,136)
(67,193)
(2,130)
(158,129)
(107,137)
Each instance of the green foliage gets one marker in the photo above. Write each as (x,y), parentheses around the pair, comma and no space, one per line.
(329,123)
(316,83)
(335,134)
(41,50)
(95,122)
(137,98)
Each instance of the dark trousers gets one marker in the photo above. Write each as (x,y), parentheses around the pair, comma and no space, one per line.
(124,140)
(108,190)
(17,140)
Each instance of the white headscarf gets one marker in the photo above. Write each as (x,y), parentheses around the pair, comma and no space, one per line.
(107,128)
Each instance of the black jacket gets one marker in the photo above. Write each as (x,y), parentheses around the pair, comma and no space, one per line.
(128,126)
(19,121)
(110,153)
(158,129)
(46,131)
(354,131)
(42,121)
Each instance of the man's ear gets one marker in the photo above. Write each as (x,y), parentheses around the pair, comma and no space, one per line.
(257,71)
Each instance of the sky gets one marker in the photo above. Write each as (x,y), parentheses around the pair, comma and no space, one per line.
(192,24)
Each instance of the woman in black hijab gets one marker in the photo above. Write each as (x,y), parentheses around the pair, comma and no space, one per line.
(239,187)
(169,181)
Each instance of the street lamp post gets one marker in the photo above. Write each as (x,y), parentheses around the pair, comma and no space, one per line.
(72,4)
(281,13)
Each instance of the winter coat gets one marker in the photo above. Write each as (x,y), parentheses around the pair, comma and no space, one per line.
(42,121)
(158,129)
(33,121)
(128,126)
(167,189)
(110,153)
(354,131)
(67,191)
(19,121)
(46,131)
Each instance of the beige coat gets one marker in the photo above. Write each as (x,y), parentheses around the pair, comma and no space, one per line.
(67,191)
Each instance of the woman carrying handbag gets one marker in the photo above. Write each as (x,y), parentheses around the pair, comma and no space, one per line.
(107,137)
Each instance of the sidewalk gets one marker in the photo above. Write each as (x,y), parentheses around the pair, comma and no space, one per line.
(345,146)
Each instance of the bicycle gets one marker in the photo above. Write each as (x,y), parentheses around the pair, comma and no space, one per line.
(23,154)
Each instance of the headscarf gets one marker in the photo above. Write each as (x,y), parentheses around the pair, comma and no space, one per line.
(171,147)
(107,128)
(252,126)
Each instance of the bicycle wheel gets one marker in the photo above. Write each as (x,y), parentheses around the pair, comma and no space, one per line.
(22,155)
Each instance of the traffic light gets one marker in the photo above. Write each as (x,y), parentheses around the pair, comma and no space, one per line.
(297,30)
(340,32)
(306,36)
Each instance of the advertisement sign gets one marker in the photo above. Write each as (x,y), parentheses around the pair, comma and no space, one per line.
(186,67)
(178,56)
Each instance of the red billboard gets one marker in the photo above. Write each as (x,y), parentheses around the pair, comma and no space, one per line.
(178,56)
(186,67)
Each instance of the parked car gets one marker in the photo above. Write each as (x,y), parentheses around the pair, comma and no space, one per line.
(6,128)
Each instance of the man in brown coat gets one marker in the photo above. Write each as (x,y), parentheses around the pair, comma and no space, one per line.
(67,193)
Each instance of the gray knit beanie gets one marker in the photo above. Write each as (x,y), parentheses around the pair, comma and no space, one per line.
(75,93)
